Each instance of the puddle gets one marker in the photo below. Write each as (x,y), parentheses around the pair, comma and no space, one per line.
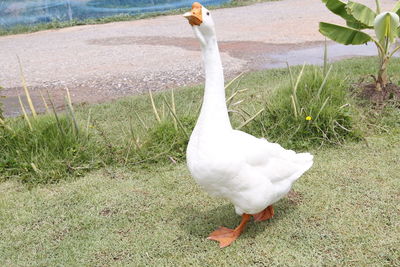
(315,55)
(259,55)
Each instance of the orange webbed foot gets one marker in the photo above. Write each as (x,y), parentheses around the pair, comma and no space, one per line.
(266,214)
(224,236)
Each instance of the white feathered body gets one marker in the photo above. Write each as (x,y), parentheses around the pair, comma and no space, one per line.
(250,172)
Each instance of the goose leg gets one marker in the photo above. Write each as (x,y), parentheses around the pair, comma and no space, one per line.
(226,236)
(266,214)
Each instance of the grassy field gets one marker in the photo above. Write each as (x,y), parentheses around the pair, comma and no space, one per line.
(344,211)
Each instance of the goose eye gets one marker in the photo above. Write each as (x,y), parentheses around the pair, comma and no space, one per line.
(208,13)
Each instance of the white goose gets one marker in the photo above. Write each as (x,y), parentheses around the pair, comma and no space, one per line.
(250,172)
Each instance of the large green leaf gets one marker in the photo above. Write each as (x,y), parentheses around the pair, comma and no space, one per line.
(357,25)
(386,26)
(339,8)
(396,8)
(361,13)
(343,35)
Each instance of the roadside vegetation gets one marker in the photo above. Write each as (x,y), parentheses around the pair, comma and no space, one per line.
(107,184)
(386,25)
(314,110)
(306,107)
(56,24)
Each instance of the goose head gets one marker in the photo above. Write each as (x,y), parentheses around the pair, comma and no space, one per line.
(202,23)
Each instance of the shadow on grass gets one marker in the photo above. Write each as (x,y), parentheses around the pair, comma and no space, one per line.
(199,223)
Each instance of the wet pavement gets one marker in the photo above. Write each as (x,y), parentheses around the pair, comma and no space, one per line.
(315,55)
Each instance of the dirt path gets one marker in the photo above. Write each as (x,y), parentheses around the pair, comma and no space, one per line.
(102,62)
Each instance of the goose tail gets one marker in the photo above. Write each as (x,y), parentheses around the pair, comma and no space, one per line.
(304,161)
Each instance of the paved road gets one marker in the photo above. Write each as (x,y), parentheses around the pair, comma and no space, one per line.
(102,62)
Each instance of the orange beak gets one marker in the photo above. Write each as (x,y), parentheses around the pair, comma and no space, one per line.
(194,16)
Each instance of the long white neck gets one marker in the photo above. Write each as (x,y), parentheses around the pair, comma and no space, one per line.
(214,113)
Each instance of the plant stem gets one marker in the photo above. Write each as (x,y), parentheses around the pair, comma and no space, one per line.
(154,107)
(27,94)
(378,7)
(325,57)
(382,78)
(394,51)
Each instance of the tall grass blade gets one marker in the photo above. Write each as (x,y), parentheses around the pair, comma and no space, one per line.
(174,115)
(189,108)
(341,126)
(230,98)
(290,75)
(3,123)
(233,80)
(324,81)
(238,102)
(245,112)
(163,111)
(322,107)
(293,97)
(141,121)
(88,123)
(55,114)
(250,119)
(325,57)
(154,107)
(294,106)
(24,112)
(71,111)
(173,107)
(298,80)
(127,153)
(44,102)
(136,140)
(28,96)
(239,112)
(35,169)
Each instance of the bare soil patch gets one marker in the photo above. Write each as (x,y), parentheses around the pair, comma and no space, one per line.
(390,93)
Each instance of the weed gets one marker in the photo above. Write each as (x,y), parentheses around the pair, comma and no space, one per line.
(48,152)
(165,142)
(311,107)
(45,148)
(310,111)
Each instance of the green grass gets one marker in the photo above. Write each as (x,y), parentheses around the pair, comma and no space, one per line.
(53,150)
(344,212)
(126,132)
(19,29)
(316,111)
(166,139)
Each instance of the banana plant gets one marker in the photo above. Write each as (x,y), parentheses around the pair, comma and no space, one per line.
(359,17)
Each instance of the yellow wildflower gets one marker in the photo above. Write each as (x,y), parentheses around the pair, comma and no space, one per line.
(308,118)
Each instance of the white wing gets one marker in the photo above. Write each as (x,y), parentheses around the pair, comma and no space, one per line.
(270,159)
